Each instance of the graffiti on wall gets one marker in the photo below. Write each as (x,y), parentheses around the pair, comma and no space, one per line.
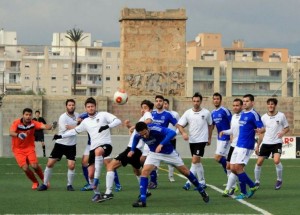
(166,83)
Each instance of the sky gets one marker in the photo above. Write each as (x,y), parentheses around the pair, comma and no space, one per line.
(260,23)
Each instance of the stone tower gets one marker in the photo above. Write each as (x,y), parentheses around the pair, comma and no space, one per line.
(153,52)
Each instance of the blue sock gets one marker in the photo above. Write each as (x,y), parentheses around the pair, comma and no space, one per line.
(85,173)
(195,182)
(243,178)
(153,176)
(143,188)
(223,162)
(116,178)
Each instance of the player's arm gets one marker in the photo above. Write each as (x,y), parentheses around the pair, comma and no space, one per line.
(169,135)
(13,132)
(210,131)
(283,132)
(135,142)
(259,141)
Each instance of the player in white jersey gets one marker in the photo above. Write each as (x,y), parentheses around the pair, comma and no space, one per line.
(173,141)
(122,159)
(200,132)
(276,126)
(97,125)
(234,132)
(62,147)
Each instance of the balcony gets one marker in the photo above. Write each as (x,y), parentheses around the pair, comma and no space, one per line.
(89,83)
(241,92)
(254,79)
(203,77)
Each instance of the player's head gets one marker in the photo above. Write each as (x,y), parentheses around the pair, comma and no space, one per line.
(90,106)
(248,101)
(37,113)
(142,129)
(27,115)
(237,105)
(166,104)
(146,106)
(70,106)
(271,105)
(217,99)
(159,102)
(197,100)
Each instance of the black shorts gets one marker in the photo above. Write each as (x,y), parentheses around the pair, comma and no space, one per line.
(107,151)
(39,136)
(134,160)
(173,142)
(198,149)
(266,149)
(59,150)
(230,153)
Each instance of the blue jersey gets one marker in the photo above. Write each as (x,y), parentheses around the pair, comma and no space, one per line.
(221,119)
(164,118)
(83,116)
(157,135)
(249,121)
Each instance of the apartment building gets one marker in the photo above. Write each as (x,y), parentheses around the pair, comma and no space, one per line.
(238,70)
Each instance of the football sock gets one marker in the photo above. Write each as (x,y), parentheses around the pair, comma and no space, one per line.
(279,169)
(193,170)
(31,176)
(243,178)
(192,178)
(71,174)
(171,170)
(143,188)
(98,166)
(138,179)
(85,173)
(116,178)
(231,181)
(257,172)
(44,150)
(47,175)
(39,172)
(153,176)
(109,181)
(200,173)
(223,162)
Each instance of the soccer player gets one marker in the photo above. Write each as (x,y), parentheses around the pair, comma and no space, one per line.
(98,126)
(234,131)
(158,139)
(200,132)
(250,123)
(276,126)
(122,159)
(163,118)
(221,117)
(23,147)
(62,147)
(39,134)
(173,141)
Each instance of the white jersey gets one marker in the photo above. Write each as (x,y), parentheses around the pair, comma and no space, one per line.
(64,120)
(92,125)
(234,128)
(274,125)
(147,115)
(198,124)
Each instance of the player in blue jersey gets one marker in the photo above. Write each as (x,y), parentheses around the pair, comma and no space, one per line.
(158,139)
(163,118)
(221,117)
(250,123)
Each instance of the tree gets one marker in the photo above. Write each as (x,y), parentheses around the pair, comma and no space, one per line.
(75,35)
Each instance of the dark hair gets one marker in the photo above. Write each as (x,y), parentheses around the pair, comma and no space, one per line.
(218,95)
(197,95)
(70,100)
(148,103)
(27,110)
(159,97)
(274,100)
(238,100)
(37,111)
(250,96)
(140,126)
(90,100)
(167,100)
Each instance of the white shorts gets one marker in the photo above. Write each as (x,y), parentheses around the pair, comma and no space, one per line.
(241,155)
(223,147)
(87,150)
(145,150)
(172,159)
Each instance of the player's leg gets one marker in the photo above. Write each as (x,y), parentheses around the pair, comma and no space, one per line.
(221,153)
(110,175)
(170,167)
(71,158)
(257,169)
(279,168)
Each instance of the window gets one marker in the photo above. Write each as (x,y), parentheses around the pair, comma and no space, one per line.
(65,77)
(65,89)
(66,66)
(118,78)
(118,54)
(53,89)
(53,65)
(53,77)
(107,78)
(107,90)
(27,77)
(108,66)
(108,54)
(27,65)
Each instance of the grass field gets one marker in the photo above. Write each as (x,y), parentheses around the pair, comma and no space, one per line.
(16,196)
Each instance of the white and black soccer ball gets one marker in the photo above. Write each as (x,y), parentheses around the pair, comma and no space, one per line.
(120,97)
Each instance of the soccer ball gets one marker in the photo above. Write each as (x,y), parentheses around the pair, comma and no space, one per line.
(120,97)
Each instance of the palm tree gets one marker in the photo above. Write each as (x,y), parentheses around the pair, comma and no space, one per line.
(75,35)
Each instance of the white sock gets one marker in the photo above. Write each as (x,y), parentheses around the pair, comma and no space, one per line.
(200,173)
(110,175)
(138,179)
(232,178)
(98,166)
(171,170)
(257,172)
(47,175)
(279,169)
(228,172)
(71,174)
(193,170)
